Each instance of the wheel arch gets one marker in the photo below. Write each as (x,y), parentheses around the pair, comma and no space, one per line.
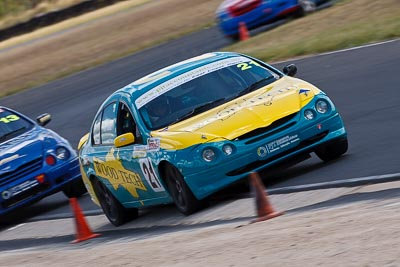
(162,167)
(92,191)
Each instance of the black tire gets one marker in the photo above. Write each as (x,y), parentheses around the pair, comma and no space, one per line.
(332,150)
(112,208)
(234,37)
(183,197)
(75,188)
(299,12)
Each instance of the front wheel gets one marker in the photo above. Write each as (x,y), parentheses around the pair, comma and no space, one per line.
(183,197)
(112,208)
(333,150)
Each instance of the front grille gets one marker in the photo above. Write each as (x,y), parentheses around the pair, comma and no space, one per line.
(21,171)
(259,163)
(242,8)
(262,133)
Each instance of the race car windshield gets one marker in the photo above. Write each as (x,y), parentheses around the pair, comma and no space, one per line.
(208,90)
(12,125)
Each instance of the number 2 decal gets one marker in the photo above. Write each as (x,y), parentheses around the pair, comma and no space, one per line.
(246,66)
(150,175)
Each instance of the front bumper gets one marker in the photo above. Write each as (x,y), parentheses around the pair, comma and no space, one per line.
(28,189)
(260,153)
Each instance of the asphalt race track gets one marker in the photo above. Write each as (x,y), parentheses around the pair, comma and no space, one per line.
(362,82)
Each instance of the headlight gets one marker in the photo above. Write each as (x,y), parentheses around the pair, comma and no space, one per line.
(62,153)
(208,154)
(227,149)
(309,114)
(322,106)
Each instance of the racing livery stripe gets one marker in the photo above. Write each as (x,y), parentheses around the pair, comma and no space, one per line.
(186,77)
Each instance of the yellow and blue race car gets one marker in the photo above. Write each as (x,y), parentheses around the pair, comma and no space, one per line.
(188,130)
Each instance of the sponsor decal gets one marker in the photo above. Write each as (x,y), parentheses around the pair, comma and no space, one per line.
(265,99)
(140,148)
(304,91)
(276,145)
(139,154)
(6,194)
(162,73)
(262,151)
(153,144)
(139,151)
(186,77)
(112,170)
(150,175)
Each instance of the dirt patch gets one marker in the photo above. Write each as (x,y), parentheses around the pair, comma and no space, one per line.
(98,37)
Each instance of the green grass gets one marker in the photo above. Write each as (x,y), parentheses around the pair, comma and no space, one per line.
(348,24)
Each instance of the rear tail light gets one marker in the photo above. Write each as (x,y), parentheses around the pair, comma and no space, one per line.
(243,6)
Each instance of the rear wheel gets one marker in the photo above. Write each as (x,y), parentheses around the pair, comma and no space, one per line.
(333,150)
(183,197)
(112,208)
(75,188)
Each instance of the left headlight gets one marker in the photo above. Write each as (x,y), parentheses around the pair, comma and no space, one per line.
(62,153)
(208,155)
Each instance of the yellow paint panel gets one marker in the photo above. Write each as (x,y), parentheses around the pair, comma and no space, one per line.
(242,115)
(112,170)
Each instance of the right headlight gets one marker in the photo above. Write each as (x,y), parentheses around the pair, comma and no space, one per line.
(309,114)
(208,155)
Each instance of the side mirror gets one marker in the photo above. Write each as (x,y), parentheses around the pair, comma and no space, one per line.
(290,70)
(43,119)
(83,140)
(124,140)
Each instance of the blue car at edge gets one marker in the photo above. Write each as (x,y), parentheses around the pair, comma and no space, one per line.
(34,162)
(255,13)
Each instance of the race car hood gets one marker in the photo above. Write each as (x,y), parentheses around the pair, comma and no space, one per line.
(241,115)
(24,148)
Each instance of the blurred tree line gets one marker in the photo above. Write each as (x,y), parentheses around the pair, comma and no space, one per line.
(16,6)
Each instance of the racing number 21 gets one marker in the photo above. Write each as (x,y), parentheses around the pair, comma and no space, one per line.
(150,175)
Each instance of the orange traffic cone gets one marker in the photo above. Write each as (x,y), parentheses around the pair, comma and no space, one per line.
(83,231)
(264,208)
(243,32)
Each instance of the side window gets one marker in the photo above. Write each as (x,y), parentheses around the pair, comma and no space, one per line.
(126,123)
(96,130)
(108,124)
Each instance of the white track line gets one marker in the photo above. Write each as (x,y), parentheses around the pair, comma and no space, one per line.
(337,51)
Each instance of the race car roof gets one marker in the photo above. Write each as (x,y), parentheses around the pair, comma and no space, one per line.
(144,84)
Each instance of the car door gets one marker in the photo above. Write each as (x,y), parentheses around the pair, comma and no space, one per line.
(141,176)
(102,148)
